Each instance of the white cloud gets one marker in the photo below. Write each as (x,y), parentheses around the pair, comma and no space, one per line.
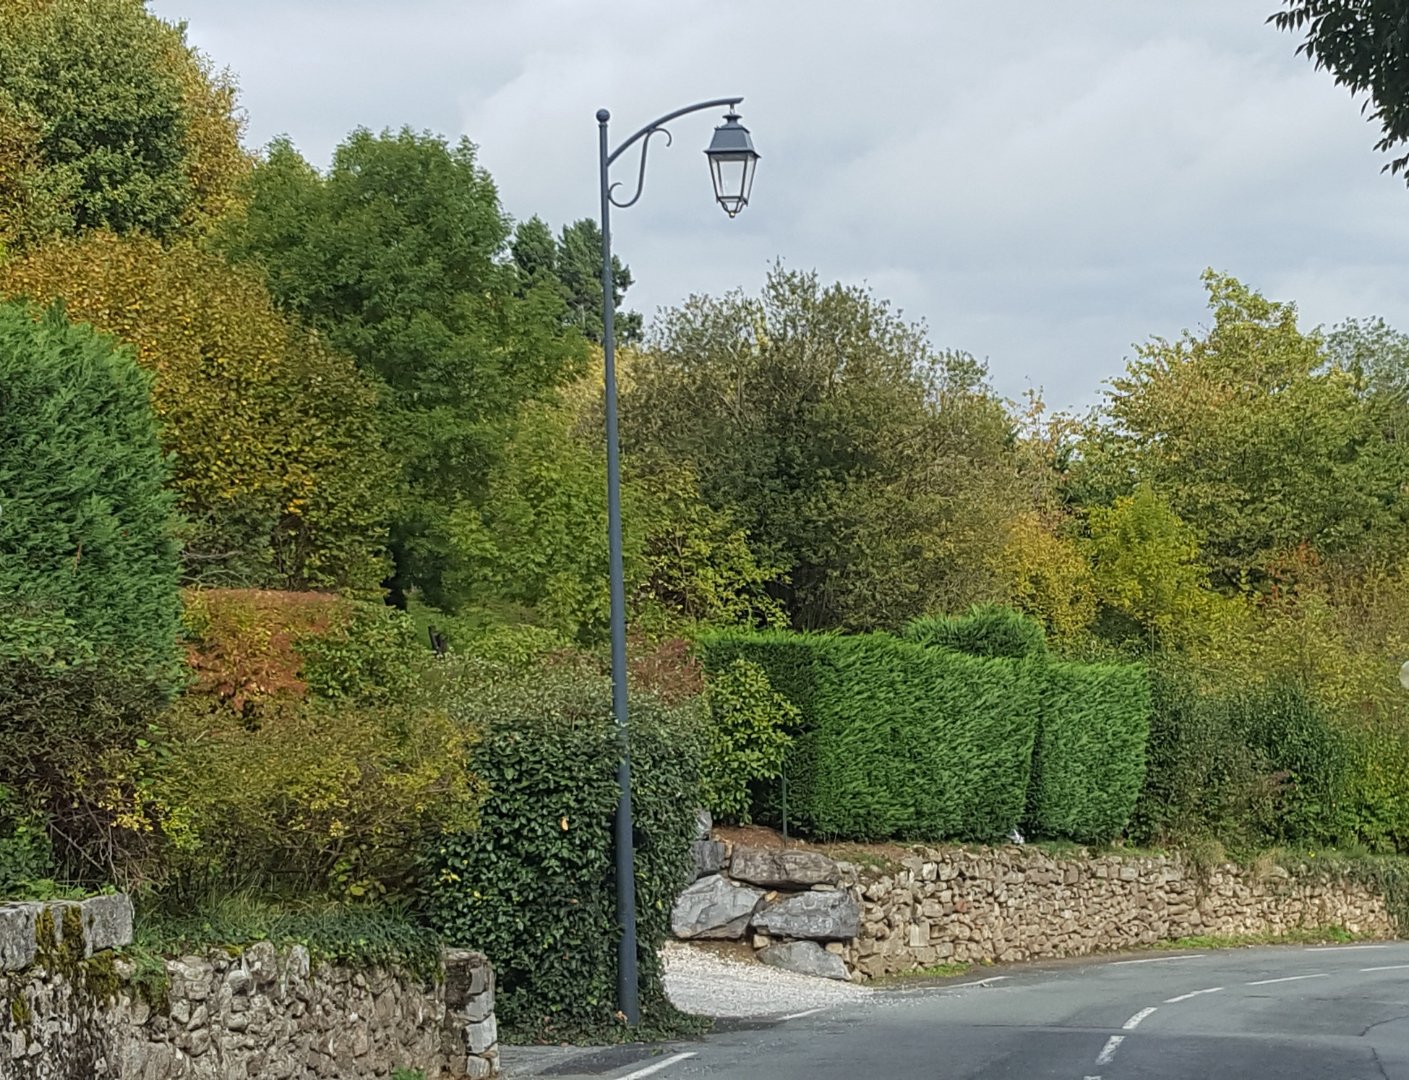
(1041,190)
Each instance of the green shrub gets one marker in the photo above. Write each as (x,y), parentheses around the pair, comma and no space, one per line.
(533,886)
(26,856)
(60,729)
(748,738)
(1089,762)
(88,560)
(312,754)
(1251,766)
(985,630)
(896,739)
(307,797)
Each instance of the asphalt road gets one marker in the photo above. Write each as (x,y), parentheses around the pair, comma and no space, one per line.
(1339,1013)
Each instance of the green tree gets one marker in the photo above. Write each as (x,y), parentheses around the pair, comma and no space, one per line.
(88,556)
(399,255)
(1252,438)
(109,120)
(876,473)
(574,259)
(1365,45)
(535,547)
(1145,562)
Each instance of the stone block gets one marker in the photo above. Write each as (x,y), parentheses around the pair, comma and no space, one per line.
(704,824)
(820,916)
(708,857)
(17,935)
(714,908)
(783,869)
(805,958)
(481,1036)
(107,922)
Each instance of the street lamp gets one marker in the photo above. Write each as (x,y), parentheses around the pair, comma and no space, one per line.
(732,160)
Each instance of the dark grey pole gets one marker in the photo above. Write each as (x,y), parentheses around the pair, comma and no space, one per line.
(627,989)
(628,994)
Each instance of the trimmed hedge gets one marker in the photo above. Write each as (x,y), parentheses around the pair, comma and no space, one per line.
(534,885)
(917,741)
(896,739)
(1089,763)
(985,630)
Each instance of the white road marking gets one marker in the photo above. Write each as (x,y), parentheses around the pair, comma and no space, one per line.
(1191,994)
(1158,959)
(800,1015)
(1112,1045)
(977,982)
(1134,1021)
(1289,978)
(1387,967)
(651,1070)
(1342,948)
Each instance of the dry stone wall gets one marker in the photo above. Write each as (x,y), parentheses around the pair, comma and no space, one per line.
(805,912)
(1016,903)
(75,1013)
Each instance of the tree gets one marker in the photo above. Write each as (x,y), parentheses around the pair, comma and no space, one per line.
(276,441)
(871,470)
(109,120)
(1146,567)
(1365,45)
(398,256)
(88,555)
(536,545)
(575,261)
(1252,438)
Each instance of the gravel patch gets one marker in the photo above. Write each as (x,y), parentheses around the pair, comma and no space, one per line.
(704,983)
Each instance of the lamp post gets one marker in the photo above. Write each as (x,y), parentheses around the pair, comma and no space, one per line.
(732,160)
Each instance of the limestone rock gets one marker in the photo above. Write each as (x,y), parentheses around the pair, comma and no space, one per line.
(708,856)
(805,958)
(714,908)
(783,869)
(704,824)
(17,935)
(107,922)
(818,916)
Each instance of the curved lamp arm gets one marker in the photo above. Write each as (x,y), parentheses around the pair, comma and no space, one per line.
(644,137)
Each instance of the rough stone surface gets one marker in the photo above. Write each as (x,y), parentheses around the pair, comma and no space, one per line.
(1018,903)
(708,856)
(714,908)
(107,922)
(782,869)
(819,916)
(704,824)
(264,1013)
(805,958)
(17,935)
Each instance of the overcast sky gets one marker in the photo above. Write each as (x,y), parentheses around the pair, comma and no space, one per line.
(1040,183)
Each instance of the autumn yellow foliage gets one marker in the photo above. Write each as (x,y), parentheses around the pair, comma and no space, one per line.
(275,438)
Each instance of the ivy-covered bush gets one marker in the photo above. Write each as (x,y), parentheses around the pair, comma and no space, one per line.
(897,739)
(748,738)
(533,885)
(1089,761)
(985,630)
